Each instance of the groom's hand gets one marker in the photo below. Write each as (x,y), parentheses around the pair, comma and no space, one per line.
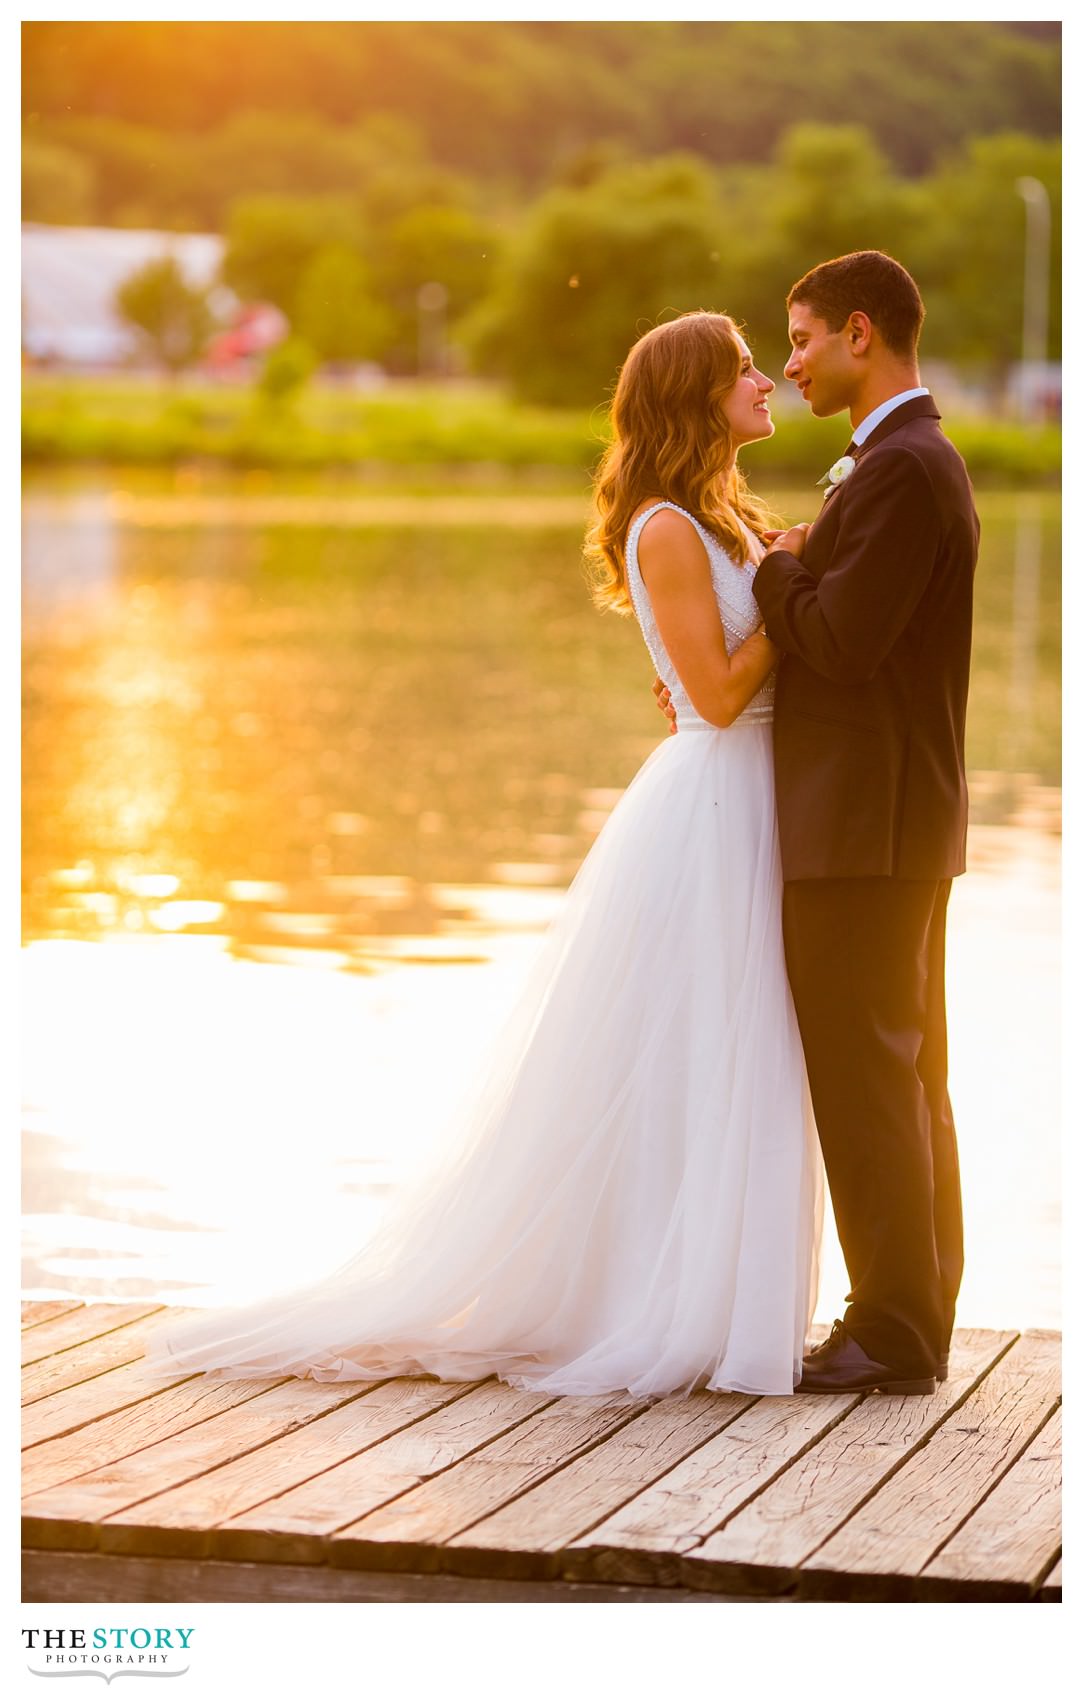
(793,541)
(661,693)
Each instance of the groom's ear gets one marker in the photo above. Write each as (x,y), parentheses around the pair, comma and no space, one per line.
(859,333)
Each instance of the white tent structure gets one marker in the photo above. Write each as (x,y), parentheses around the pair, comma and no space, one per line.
(70,277)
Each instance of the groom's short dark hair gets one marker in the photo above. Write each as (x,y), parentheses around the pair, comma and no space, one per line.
(867,282)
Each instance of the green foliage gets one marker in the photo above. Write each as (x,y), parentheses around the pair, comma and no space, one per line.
(422,426)
(829,191)
(173,317)
(272,239)
(285,372)
(969,254)
(58,185)
(336,313)
(513,99)
(138,171)
(591,269)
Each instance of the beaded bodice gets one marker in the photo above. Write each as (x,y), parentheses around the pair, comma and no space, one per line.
(737,608)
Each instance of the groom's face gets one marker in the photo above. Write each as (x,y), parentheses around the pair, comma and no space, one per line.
(821,364)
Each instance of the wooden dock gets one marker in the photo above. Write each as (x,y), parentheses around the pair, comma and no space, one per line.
(418,1489)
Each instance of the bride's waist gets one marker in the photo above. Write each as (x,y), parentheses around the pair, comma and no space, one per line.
(757,714)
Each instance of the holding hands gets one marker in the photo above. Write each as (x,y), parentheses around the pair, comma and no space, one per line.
(793,541)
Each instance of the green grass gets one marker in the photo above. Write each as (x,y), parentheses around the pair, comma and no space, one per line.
(129,421)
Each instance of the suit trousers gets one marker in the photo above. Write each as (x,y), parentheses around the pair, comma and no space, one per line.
(865,959)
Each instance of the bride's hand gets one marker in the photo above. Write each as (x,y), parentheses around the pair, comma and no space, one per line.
(661,692)
(793,541)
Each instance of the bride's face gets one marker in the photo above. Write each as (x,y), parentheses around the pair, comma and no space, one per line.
(745,406)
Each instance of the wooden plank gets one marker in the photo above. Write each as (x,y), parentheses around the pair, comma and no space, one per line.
(132,1428)
(73,1407)
(1008,1543)
(876,1552)
(181,1521)
(645,1538)
(411,1532)
(763,1545)
(531,1530)
(123,1345)
(80,1577)
(294,1527)
(54,1516)
(75,1326)
(1050,1589)
(35,1311)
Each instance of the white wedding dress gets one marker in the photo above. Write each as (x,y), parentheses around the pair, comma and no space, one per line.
(630,1199)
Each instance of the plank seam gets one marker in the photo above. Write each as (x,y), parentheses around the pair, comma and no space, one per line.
(651,1480)
(39,1321)
(100,1416)
(993,1485)
(583,1452)
(907,1457)
(99,1334)
(761,1487)
(326,1539)
(271,1440)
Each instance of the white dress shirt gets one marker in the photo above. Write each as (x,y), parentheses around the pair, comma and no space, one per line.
(872,420)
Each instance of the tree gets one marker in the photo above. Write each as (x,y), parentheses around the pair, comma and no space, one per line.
(445,245)
(336,313)
(592,269)
(58,185)
(970,253)
(172,315)
(272,239)
(829,191)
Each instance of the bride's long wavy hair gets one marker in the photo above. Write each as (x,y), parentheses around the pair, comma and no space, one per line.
(672,439)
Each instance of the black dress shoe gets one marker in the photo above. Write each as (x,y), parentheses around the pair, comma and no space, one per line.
(838,1365)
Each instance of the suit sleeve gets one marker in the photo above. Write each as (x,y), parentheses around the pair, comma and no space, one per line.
(845,623)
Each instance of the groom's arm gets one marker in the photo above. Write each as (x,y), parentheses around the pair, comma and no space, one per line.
(844,623)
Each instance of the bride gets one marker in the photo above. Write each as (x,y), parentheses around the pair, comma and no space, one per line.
(630,1198)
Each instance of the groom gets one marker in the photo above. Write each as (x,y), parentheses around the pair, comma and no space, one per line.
(872,608)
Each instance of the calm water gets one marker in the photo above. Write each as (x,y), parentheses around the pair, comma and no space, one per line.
(306,770)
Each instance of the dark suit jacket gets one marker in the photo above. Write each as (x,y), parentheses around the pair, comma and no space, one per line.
(875,623)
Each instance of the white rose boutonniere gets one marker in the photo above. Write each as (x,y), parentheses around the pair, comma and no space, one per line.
(837,474)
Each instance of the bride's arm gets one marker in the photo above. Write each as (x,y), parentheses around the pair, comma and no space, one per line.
(677,575)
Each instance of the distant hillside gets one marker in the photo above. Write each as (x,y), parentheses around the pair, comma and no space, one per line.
(513,101)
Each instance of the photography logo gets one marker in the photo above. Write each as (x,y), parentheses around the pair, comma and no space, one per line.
(107,1653)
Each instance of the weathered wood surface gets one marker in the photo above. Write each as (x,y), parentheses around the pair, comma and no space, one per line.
(651,1532)
(413,1531)
(135,1426)
(538,1525)
(299,1525)
(184,1518)
(413,1488)
(779,1531)
(60,1333)
(1009,1542)
(122,1344)
(41,1310)
(899,1530)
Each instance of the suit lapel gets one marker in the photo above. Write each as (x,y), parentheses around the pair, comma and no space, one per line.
(921,407)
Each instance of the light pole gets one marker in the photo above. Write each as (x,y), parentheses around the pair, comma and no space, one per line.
(1026,586)
(1035,291)
(432,301)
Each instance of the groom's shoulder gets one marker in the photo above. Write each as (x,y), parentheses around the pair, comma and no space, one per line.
(922,439)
